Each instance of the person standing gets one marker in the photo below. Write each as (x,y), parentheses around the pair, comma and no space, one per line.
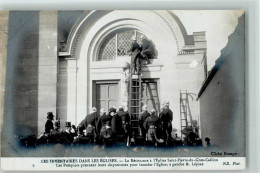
(166,117)
(125,120)
(91,121)
(49,123)
(142,119)
(116,123)
(136,55)
(152,124)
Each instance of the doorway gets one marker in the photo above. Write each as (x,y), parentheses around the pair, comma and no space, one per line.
(106,94)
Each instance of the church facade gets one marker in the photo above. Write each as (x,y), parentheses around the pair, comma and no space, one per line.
(94,62)
(69,61)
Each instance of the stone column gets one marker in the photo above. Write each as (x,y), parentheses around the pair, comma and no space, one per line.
(48,62)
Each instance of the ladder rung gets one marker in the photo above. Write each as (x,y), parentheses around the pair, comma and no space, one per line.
(134,106)
(135,86)
(136,99)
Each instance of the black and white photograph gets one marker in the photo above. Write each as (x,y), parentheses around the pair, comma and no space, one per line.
(143,85)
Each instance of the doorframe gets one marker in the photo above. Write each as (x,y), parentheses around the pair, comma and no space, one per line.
(94,89)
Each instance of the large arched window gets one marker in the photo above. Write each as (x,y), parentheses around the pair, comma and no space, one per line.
(119,44)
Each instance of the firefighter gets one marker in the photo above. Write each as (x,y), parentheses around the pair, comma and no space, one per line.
(136,55)
(116,123)
(166,117)
(125,120)
(91,121)
(143,116)
(152,124)
(104,126)
(88,123)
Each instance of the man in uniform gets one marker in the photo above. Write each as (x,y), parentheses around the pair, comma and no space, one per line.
(166,117)
(124,114)
(125,120)
(104,126)
(89,121)
(116,123)
(152,124)
(142,119)
(136,55)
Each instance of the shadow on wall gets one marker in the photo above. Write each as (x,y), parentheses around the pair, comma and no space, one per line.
(222,97)
(21,86)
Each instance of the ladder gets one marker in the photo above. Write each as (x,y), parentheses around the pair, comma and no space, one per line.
(135,94)
(184,113)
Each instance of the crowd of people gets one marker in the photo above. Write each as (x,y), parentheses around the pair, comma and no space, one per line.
(113,125)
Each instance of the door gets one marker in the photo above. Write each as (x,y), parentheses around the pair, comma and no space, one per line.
(150,95)
(106,95)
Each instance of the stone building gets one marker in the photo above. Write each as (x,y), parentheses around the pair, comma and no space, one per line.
(69,61)
(222,97)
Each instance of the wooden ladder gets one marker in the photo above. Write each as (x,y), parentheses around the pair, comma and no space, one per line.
(183,110)
(135,94)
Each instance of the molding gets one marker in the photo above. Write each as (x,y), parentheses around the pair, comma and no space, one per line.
(81,25)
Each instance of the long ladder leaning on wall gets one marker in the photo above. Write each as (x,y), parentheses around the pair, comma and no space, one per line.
(184,113)
(135,95)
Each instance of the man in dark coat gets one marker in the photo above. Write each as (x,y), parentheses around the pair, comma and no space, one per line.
(147,50)
(68,133)
(107,135)
(152,124)
(166,117)
(89,121)
(56,133)
(116,123)
(49,123)
(142,119)
(104,120)
(136,55)
(125,120)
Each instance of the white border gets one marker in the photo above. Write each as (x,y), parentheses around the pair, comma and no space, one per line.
(252,46)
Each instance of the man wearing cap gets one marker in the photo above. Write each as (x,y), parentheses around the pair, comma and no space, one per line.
(125,120)
(152,124)
(49,123)
(136,55)
(142,119)
(166,117)
(116,123)
(104,120)
(91,121)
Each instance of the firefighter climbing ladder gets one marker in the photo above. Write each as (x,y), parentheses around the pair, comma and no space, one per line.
(184,113)
(135,91)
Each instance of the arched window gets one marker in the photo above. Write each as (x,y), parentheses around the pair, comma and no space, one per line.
(119,44)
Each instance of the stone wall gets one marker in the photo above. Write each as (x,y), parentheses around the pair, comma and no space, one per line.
(47,66)
(222,104)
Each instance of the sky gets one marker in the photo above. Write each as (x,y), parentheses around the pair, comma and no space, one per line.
(218,24)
